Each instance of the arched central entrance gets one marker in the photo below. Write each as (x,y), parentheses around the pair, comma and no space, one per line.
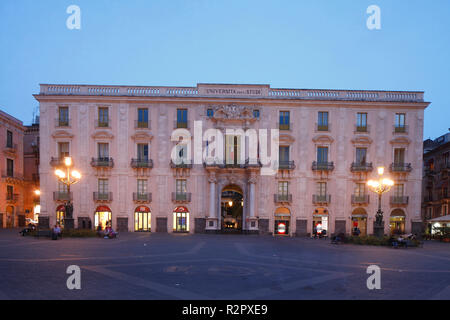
(231,208)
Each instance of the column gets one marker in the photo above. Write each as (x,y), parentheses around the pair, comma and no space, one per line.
(252,220)
(212,219)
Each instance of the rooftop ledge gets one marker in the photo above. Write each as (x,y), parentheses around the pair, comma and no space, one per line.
(231,91)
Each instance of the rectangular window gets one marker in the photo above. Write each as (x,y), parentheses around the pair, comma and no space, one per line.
(283,188)
(232,149)
(103,117)
(400,120)
(63,150)
(142,118)
(322,155)
(9,139)
(322,121)
(284,120)
(142,186)
(361,121)
(103,151)
(63,114)
(142,151)
(360,189)
(62,188)
(10,167)
(210,113)
(256,114)
(182,118)
(399,190)
(361,155)
(399,156)
(181,186)
(9,192)
(283,154)
(321,188)
(103,186)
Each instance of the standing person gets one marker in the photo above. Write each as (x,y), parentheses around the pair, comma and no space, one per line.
(56,232)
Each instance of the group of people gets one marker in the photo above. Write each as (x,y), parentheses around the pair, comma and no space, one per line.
(108,233)
(319,231)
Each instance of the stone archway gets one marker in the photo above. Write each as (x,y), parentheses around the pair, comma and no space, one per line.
(232,208)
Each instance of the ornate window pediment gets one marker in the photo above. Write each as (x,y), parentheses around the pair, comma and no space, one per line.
(323,139)
(233,112)
(62,134)
(142,136)
(400,140)
(362,140)
(286,139)
(102,135)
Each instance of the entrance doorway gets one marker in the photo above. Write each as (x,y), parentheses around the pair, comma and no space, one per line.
(231,208)
(320,223)
(102,217)
(397,222)
(60,214)
(181,219)
(282,220)
(359,222)
(9,217)
(142,219)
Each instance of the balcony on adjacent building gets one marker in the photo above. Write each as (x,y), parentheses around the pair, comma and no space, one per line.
(361,167)
(142,124)
(400,167)
(286,165)
(282,198)
(62,196)
(142,163)
(181,196)
(182,164)
(62,123)
(321,199)
(360,199)
(102,162)
(103,196)
(399,200)
(11,175)
(142,197)
(400,129)
(12,198)
(322,166)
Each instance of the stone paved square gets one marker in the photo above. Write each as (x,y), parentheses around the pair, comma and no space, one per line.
(168,266)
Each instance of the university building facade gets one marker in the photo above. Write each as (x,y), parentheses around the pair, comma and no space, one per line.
(137,177)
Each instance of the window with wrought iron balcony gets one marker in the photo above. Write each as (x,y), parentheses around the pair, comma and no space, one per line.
(103,162)
(103,196)
(181,196)
(399,200)
(321,199)
(360,199)
(282,198)
(62,196)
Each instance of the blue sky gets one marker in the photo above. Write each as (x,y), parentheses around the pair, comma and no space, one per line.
(293,44)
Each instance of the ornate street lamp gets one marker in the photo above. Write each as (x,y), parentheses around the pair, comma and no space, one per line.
(380,186)
(69,177)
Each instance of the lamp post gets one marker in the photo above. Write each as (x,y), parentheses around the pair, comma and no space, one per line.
(380,186)
(68,178)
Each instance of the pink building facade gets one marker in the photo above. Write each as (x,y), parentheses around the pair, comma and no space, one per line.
(124,140)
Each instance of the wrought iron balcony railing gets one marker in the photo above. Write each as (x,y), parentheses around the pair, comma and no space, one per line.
(400,167)
(396,200)
(323,127)
(360,199)
(62,122)
(184,164)
(102,162)
(362,129)
(102,123)
(286,165)
(361,167)
(141,163)
(181,124)
(142,124)
(400,129)
(282,198)
(284,126)
(142,197)
(62,196)
(181,196)
(103,196)
(321,199)
(322,166)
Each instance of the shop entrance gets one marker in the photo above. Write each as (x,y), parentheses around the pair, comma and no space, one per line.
(60,214)
(142,219)
(102,218)
(282,221)
(320,223)
(231,208)
(359,222)
(397,221)
(181,219)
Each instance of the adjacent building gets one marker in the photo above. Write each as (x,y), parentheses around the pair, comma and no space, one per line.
(138,176)
(435,187)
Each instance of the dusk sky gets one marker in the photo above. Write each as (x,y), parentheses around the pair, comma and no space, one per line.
(287,44)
